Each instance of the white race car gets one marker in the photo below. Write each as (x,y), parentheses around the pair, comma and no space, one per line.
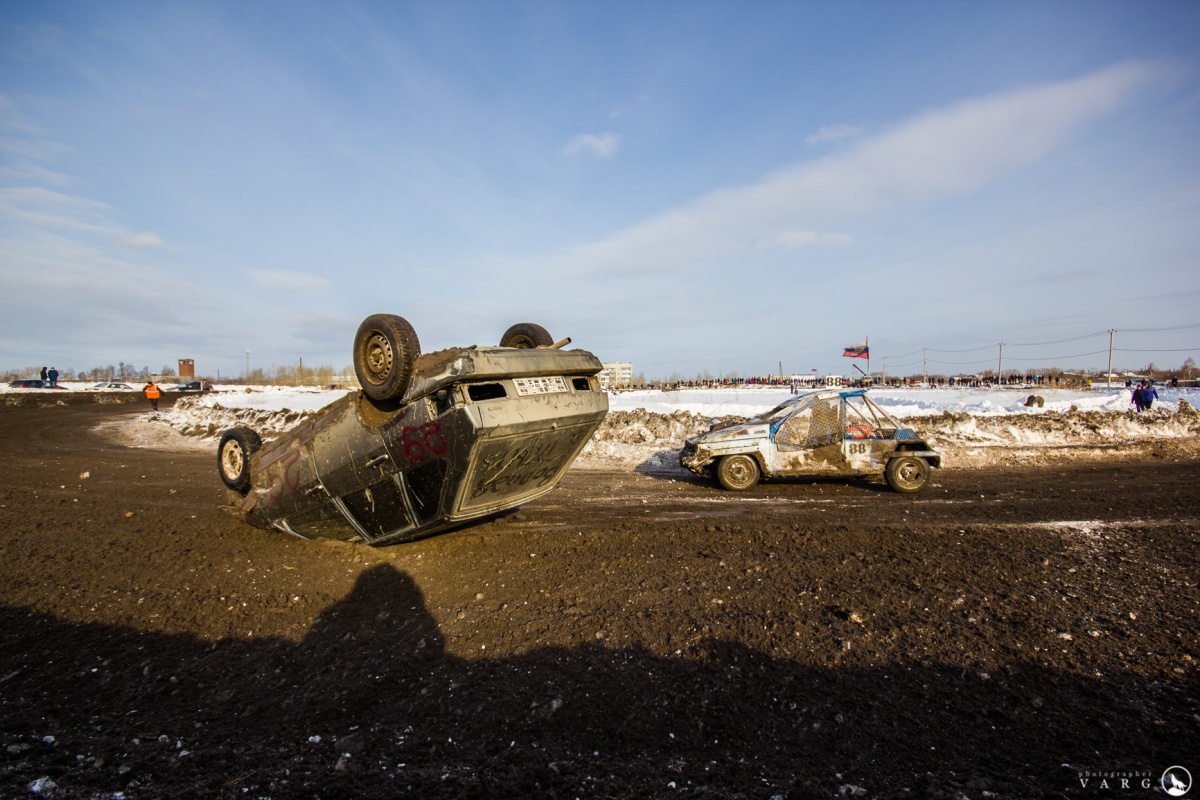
(824,432)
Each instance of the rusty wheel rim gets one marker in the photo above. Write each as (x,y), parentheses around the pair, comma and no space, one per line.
(379,358)
(233,459)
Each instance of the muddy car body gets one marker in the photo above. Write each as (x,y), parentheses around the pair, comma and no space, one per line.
(476,431)
(824,432)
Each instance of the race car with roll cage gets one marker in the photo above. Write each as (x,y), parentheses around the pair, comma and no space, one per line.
(822,432)
(430,442)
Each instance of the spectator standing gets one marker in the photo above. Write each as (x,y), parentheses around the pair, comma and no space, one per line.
(152,394)
(44,376)
(53,375)
(1148,395)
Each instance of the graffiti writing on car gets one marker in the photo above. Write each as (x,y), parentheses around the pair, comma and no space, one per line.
(285,474)
(532,463)
(421,442)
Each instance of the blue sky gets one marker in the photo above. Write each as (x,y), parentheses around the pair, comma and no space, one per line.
(690,186)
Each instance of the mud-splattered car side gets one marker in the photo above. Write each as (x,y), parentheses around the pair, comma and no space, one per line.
(448,437)
(825,432)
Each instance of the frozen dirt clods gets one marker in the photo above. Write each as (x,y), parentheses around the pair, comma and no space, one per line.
(651,440)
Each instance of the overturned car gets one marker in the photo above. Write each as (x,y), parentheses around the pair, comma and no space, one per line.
(825,432)
(431,442)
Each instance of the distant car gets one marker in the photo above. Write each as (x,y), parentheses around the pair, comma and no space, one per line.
(430,443)
(32,383)
(823,432)
(191,386)
(110,387)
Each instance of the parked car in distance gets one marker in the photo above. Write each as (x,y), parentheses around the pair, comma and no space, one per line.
(430,443)
(32,383)
(823,432)
(191,386)
(110,387)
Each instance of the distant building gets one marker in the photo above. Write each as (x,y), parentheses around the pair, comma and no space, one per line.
(616,376)
(187,368)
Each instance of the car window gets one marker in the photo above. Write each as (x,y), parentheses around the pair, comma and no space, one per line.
(379,508)
(794,432)
(826,427)
(783,409)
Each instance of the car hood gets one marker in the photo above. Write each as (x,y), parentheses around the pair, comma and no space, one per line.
(746,430)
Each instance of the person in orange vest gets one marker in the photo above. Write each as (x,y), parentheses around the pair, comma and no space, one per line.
(152,394)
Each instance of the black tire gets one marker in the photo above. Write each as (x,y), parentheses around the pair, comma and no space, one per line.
(385,349)
(907,474)
(526,336)
(738,473)
(233,457)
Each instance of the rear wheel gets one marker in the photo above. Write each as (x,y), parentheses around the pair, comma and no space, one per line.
(738,472)
(385,349)
(526,336)
(907,473)
(233,457)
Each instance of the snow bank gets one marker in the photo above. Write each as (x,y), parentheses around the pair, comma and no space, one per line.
(645,429)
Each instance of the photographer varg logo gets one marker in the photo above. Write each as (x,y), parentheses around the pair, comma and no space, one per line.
(1117,780)
(1176,781)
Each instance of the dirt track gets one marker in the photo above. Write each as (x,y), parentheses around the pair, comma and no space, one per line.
(1003,634)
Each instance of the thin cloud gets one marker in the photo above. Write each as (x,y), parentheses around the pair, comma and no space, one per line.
(597,145)
(141,240)
(833,133)
(940,154)
(791,240)
(278,280)
(47,209)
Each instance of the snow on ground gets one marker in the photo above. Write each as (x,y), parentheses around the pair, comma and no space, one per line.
(747,402)
(644,429)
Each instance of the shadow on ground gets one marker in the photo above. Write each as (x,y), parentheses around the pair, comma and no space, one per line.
(157,716)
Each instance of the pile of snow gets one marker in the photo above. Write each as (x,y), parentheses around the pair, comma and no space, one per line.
(645,429)
(270,411)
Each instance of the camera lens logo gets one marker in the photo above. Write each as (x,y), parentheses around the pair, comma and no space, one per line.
(1176,781)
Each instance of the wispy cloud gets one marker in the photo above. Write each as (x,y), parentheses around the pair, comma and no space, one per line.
(278,280)
(141,240)
(790,240)
(833,133)
(939,154)
(597,145)
(38,207)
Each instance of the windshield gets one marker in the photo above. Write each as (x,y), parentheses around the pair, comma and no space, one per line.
(783,409)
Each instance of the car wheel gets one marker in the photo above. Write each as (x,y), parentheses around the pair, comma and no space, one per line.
(907,473)
(233,457)
(526,336)
(737,472)
(385,349)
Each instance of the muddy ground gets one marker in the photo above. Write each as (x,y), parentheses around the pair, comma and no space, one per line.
(1019,632)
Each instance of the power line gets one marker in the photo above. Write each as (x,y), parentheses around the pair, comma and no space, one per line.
(961,363)
(1157,350)
(1056,358)
(972,350)
(1056,341)
(1156,330)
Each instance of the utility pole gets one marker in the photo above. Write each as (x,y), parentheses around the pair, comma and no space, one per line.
(1000,366)
(247,365)
(925,364)
(1110,344)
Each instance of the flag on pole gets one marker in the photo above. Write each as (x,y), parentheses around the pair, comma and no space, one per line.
(860,350)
